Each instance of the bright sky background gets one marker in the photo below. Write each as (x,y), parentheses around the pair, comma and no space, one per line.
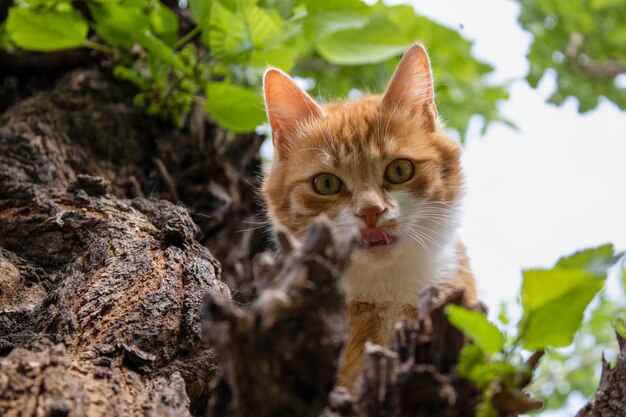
(549,189)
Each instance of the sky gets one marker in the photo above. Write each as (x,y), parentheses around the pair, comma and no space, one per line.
(555,186)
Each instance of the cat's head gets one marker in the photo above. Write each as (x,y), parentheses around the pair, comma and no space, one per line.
(381,167)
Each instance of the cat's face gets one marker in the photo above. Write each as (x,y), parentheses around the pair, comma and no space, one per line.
(381,168)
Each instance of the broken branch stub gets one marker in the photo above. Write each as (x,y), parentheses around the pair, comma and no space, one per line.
(279,357)
(422,380)
(610,397)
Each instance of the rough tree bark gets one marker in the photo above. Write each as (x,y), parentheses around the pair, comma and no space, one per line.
(610,398)
(101,287)
(100,295)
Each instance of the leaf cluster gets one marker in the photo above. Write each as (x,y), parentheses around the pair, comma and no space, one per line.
(583,43)
(576,368)
(218,63)
(553,302)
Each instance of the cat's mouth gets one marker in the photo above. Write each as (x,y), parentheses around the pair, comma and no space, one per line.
(375,237)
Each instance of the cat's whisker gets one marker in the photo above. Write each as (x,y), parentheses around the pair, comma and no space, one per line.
(427,234)
(433,215)
(379,138)
(263,222)
(393,112)
(443,203)
(321,153)
(417,237)
(436,210)
(431,219)
(431,241)
(251,229)
(421,226)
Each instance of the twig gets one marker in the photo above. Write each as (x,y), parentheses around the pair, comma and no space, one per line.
(167,178)
(188,37)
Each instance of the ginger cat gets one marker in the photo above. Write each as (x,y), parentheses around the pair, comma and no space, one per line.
(383,168)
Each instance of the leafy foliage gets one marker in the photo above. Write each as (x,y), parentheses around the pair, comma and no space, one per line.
(553,302)
(234,107)
(486,335)
(557,293)
(58,28)
(576,368)
(340,44)
(584,42)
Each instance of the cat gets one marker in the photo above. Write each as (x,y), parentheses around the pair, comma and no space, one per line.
(382,168)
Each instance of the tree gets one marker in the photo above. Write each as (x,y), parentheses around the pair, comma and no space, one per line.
(101,286)
(336,43)
(583,42)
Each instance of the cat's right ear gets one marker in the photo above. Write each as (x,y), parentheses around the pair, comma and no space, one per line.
(411,87)
(287,107)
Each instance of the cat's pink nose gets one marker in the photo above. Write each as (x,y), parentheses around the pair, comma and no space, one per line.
(370,214)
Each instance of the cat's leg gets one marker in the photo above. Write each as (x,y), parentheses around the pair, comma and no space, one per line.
(463,281)
(364,325)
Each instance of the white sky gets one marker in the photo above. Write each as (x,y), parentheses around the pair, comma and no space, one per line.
(555,186)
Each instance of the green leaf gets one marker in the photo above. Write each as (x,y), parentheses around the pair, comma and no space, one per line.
(282,58)
(475,324)
(320,25)
(595,261)
(486,409)
(232,36)
(164,23)
(5,40)
(200,11)
(483,374)
(161,50)
(320,6)
(554,302)
(119,25)
(375,42)
(46,30)
(233,107)
(503,314)
(470,357)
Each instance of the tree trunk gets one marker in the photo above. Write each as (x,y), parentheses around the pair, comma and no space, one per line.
(100,295)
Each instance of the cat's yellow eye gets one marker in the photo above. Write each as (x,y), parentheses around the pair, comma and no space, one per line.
(399,171)
(326,184)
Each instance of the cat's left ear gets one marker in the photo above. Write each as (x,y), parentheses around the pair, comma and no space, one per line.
(288,107)
(411,87)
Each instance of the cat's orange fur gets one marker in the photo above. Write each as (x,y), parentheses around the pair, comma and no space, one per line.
(414,223)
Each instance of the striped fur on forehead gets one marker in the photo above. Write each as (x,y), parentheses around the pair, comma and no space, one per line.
(355,131)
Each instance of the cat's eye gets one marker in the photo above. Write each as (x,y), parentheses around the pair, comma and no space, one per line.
(326,184)
(399,171)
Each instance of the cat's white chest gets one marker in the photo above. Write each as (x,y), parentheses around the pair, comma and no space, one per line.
(400,277)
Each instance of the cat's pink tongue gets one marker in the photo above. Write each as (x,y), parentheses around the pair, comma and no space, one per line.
(374,236)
